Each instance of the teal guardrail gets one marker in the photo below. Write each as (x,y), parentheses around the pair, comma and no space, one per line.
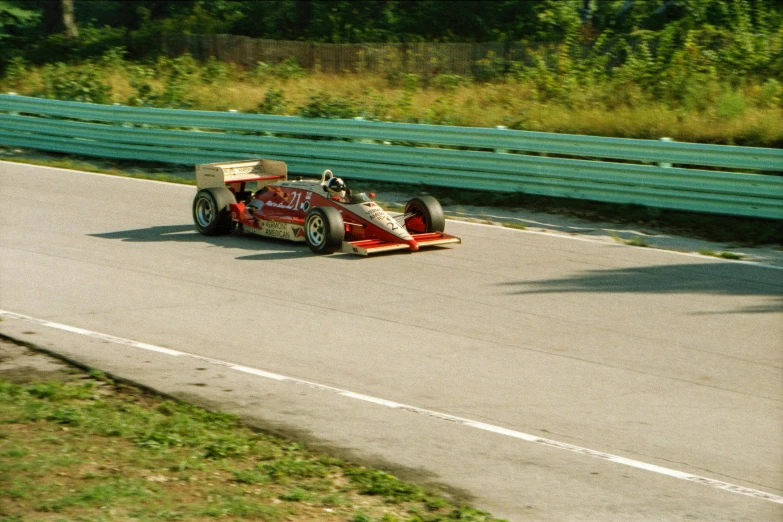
(472,158)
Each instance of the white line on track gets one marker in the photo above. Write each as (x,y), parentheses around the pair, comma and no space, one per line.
(497,227)
(726,486)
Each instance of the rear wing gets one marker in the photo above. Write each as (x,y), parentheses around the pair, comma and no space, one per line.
(238,173)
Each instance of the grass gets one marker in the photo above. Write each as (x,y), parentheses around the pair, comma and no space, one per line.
(723,255)
(518,104)
(92,449)
(518,226)
(637,242)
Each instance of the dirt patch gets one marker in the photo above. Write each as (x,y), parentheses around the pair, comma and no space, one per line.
(21,365)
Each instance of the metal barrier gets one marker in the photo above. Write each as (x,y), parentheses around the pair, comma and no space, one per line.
(457,157)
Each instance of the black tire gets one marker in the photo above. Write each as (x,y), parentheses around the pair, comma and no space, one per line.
(424,214)
(324,230)
(211,212)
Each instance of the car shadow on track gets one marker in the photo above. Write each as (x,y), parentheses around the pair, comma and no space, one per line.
(262,248)
(708,278)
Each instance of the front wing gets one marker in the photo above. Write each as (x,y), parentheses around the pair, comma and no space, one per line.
(373,246)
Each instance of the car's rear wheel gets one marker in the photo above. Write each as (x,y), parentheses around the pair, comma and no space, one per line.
(424,214)
(324,230)
(211,212)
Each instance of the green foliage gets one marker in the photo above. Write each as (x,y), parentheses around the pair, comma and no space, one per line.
(730,105)
(83,84)
(273,103)
(324,105)
(293,466)
(296,495)
(214,71)
(488,68)
(92,42)
(113,58)
(177,74)
(449,82)
(286,69)
(17,28)
(771,94)
(16,71)
(376,482)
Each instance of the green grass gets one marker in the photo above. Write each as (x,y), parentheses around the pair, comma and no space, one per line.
(723,255)
(92,449)
(741,115)
(637,242)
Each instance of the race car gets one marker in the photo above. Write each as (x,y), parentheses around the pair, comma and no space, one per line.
(257,197)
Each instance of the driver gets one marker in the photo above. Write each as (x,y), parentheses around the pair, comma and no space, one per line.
(336,187)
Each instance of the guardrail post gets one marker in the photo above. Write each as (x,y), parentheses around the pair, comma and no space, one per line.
(665,164)
(501,151)
(13,113)
(360,140)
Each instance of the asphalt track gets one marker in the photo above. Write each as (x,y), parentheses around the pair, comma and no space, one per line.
(538,377)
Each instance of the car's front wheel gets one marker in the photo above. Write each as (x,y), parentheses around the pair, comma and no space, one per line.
(424,214)
(324,230)
(211,212)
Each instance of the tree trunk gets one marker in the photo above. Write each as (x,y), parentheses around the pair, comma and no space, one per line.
(71,31)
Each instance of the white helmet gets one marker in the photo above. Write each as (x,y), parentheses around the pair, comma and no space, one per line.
(335,185)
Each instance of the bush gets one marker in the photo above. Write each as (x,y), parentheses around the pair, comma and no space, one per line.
(286,69)
(771,94)
(730,105)
(214,71)
(114,58)
(324,105)
(274,102)
(16,71)
(449,82)
(488,68)
(83,84)
(92,42)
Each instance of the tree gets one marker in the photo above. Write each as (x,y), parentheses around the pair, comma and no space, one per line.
(71,31)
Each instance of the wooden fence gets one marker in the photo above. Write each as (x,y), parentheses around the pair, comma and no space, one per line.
(425,58)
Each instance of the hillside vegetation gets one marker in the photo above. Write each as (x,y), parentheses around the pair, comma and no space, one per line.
(693,70)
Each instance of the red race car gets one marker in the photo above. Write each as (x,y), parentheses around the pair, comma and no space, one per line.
(256,196)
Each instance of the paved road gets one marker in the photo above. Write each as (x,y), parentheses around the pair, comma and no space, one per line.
(665,359)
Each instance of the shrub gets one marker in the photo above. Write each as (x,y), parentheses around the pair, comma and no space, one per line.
(83,84)
(214,71)
(92,42)
(16,71)
(449,82)
(114,58)
(488,68)
(324,105)
(731,104)
(274,102)
(771,94)
(286,69)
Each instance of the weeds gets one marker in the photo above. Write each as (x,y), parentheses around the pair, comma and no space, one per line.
(82,84)
(579,97)
(80,449)
(723,255)
(325,105)
(637,242)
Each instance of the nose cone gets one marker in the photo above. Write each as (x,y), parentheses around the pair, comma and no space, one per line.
(413,244)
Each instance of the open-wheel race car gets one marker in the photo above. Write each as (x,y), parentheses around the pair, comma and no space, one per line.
(257,197)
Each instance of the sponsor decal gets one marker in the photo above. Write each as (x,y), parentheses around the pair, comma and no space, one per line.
(241,170)
(275,229)
(305,206)
(290,201)
(378,215)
